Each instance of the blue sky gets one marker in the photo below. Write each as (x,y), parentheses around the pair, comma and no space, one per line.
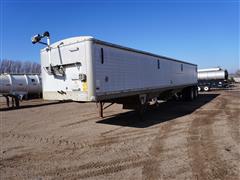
(202,32)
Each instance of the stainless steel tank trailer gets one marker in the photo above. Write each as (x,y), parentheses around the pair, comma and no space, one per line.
(212,78)
(90,70)
(19,86)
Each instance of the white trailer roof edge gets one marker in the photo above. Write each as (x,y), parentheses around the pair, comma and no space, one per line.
(77,39)
(139,51)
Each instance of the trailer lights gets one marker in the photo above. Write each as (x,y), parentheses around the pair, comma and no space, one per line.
(83,77)
(37,38)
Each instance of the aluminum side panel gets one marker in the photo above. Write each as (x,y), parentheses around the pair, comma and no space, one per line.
(130,71)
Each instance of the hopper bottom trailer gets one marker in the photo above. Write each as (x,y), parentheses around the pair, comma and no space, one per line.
(89,70)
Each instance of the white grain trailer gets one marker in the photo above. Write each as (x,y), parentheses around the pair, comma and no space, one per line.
(90,70)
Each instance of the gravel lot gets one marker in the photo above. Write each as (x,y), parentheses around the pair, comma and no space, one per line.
(178,140)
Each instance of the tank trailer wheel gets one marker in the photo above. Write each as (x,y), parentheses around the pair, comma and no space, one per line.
(206,88)
(199,89)
(155,102)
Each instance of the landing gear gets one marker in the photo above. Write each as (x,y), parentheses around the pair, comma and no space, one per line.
(100,108)
(14,101)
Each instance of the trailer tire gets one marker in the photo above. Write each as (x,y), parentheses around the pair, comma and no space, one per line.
(199,88)
(195,93)
(185,94)
(191,93)
(206,88)
(188,94)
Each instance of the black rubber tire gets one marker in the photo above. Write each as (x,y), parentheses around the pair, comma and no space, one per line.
(141,111)
(199,89)
(191,94)
(184,94)
(195,92)
(188,93)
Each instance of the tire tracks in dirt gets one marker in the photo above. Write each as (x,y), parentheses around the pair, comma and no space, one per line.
(94,143)
(205,160)
(98,168)
(233,116)
(67,151)
(233,123)
(150,170)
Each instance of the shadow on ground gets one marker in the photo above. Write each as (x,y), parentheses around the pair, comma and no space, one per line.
(22,106)
(164,112)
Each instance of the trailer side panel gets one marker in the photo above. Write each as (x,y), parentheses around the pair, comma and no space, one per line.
(119,71)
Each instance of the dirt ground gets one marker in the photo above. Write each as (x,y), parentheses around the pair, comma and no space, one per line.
(196,140)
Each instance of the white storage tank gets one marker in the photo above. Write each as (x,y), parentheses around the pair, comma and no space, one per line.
(20,84)
(212,74)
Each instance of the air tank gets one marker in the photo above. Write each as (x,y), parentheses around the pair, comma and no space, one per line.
(212,74)
(20,84)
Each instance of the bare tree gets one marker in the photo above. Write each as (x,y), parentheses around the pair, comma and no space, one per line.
(19,67)
(237,73)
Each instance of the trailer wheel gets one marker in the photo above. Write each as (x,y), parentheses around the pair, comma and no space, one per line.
(206,88)
(185,94)
(188,94)
(195,91)
(199,88)
(191,94)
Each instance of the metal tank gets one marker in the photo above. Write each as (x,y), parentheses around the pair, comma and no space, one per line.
(209,69)
(20,84)
(212,74)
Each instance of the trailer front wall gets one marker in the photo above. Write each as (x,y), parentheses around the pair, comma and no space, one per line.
(72,56)
(119,70)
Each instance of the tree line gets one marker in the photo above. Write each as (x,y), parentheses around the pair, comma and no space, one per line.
(19,67)
(29,67)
